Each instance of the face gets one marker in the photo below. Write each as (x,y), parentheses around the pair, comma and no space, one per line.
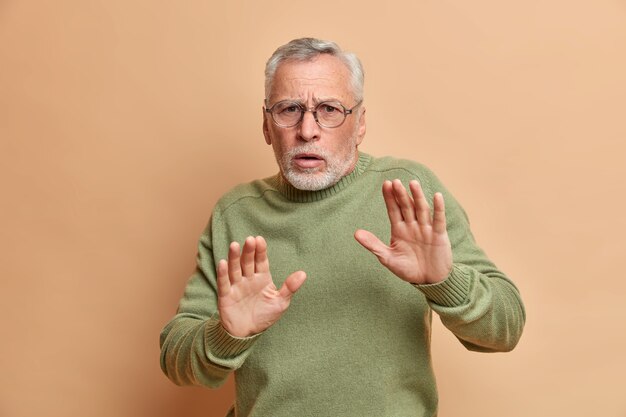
(311,157)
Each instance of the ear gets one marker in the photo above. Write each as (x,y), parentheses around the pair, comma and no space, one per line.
(361,127)
(266,127)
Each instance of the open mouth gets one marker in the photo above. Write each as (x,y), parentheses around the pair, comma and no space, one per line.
(308,160)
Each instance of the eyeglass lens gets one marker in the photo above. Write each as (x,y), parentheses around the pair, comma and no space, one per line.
(329,114)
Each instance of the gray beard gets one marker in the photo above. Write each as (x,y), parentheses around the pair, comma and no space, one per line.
(312,179)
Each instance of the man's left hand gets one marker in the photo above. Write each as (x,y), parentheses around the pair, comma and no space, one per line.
(420,250)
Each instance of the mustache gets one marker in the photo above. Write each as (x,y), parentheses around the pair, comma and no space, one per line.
(308,148)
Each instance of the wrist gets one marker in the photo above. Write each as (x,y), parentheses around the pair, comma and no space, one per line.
(435,278)
(440,276)
(222,345)
(451,292)
(235,331)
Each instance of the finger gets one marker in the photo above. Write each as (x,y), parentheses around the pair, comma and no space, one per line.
(439,218)
(393,210)
(234,268)
(223,283)
(292,284)
(261,263)
(404,201)
(373,244)
(247,257)
(422,210)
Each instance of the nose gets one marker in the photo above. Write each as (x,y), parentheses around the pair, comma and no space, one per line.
(308,129)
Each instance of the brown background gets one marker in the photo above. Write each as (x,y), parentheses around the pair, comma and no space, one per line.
(122,122)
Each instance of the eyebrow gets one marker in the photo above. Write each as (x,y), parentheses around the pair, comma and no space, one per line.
(316,100)
(323,99)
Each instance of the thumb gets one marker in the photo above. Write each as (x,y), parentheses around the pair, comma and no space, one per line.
(370,242)
(292,284)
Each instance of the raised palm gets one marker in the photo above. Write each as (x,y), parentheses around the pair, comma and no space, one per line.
(419,250)
(248,300)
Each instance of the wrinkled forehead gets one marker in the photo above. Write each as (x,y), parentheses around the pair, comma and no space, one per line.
(322,78)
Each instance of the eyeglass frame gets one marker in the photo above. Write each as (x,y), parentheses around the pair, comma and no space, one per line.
(304,109)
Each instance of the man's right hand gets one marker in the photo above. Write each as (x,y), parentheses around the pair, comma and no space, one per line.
(248,300)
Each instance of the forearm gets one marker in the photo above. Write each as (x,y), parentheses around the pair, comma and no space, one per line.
(201,352)
(195,348)
(477,301)
(483,310)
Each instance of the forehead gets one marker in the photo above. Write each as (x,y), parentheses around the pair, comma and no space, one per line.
(323,77)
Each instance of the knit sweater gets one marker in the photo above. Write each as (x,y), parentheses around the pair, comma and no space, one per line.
(355,340)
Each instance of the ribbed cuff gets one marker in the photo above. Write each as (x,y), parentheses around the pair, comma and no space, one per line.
(451,292)
(221,343)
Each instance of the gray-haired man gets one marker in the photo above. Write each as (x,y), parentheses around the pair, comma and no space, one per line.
(355,340)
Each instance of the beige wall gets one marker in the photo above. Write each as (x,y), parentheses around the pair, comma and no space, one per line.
(117,137)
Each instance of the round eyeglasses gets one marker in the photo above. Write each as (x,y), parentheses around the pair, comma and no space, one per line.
(329,114)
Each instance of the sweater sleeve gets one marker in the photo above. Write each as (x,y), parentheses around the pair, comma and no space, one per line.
(195,348)
(477,301)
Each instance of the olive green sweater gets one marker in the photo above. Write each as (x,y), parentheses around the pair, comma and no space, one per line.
(355,340)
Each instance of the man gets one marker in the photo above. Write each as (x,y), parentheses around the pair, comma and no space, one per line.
(355,339)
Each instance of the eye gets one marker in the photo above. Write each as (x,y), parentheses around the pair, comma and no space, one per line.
(291,109)
(329,108)
(288,108)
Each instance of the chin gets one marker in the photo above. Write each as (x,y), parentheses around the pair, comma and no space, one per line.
(310,181)
(315,179)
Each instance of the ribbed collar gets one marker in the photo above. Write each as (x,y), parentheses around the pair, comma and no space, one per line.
(303,196)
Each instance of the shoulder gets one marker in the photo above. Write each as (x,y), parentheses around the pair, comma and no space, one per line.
(245,193)
(392,167)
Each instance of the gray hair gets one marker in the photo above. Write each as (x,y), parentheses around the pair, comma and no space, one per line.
(307,49)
